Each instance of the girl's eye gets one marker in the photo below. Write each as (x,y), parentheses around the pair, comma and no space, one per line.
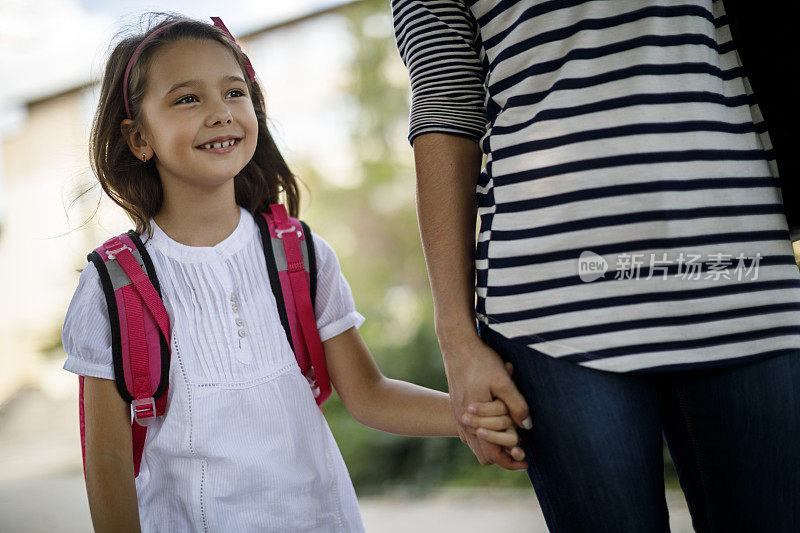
(183,100)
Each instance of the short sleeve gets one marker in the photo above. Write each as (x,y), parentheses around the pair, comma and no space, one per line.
(438,43)
(86,334)
(334,308)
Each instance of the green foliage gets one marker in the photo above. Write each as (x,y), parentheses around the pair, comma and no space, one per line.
(386,271)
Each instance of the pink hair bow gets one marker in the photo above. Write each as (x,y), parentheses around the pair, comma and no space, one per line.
(250,72)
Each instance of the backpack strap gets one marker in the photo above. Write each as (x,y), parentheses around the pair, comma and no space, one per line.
(139,331)
(291,263)
(82,423)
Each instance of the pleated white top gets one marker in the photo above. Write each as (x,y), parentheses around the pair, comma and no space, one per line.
(243,446)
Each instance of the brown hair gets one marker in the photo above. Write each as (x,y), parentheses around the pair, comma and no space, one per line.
(134,185)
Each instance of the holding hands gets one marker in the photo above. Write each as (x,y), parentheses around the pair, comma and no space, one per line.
(490,422)
(492,432)
(486,403)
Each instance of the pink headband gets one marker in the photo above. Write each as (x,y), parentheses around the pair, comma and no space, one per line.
(217,22)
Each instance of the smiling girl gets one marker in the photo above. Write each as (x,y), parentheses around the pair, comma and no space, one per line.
(180,142)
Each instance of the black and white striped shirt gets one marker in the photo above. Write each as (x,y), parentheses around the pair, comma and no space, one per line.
(630,219)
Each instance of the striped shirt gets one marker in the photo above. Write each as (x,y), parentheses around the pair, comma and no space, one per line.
(630,218)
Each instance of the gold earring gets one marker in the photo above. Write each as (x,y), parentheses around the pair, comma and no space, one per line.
(144,157)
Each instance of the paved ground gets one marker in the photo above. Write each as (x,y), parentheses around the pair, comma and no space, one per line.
(42,488)
(58,504)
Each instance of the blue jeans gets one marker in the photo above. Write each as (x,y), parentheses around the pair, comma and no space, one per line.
(595,451)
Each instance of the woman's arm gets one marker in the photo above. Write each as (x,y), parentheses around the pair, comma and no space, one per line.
(110,484)
(447,168)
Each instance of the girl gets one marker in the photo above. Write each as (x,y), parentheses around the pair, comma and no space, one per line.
(243,446)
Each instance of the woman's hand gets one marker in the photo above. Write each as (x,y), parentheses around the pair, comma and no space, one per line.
(491,422)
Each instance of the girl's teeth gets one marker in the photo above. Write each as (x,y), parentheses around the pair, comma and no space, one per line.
(223,144)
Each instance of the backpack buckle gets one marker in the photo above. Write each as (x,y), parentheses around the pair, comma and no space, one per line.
(112,254)
(144,411)
(312,382)
(280,231)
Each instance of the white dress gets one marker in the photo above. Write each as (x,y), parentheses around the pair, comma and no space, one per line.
(243,446)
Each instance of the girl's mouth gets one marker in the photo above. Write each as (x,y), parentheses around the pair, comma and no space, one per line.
(220,148)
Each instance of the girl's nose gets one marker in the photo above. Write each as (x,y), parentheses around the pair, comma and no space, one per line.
(220,115)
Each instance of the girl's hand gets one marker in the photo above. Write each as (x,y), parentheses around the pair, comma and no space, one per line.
(491,422)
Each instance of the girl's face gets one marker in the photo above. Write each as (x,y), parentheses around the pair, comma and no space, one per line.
(195,94)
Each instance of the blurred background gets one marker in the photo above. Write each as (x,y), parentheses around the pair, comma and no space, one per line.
(337,99)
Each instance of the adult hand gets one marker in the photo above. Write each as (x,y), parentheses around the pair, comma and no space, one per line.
(475,373)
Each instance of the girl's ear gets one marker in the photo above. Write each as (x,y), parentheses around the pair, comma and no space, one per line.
(135,139)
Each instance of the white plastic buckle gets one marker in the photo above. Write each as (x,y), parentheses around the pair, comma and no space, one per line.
(312,382)
(112,254)
(142,406)
(279,232)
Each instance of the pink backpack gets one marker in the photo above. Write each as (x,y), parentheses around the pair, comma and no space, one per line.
(140,328)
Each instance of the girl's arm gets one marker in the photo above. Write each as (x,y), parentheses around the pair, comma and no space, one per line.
(400,407)
(110,484)
(382,403)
